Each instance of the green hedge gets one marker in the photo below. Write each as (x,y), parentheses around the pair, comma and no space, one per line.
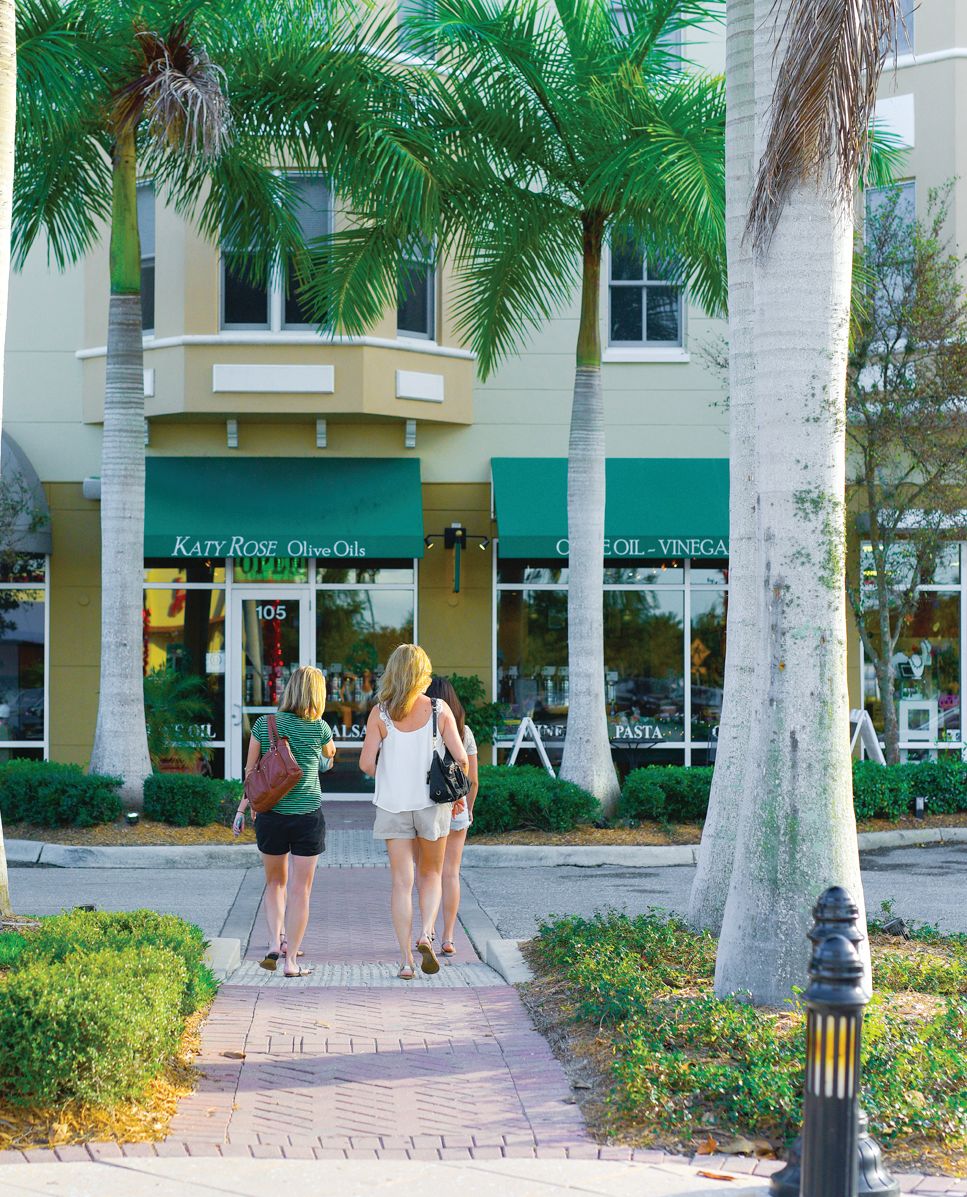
(85,930)
(92,1003)
(49,794)
(190,800)
(529,799)
(93,1027)
(671,794)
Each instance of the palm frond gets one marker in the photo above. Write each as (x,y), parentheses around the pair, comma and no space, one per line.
(825,92)
(178,92)
(886,159)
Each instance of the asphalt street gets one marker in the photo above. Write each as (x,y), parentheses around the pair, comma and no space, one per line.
(925,884)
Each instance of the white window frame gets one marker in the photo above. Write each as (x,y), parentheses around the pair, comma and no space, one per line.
(44,587)
(644,351)
(149,330)
(275,291)
(429,337)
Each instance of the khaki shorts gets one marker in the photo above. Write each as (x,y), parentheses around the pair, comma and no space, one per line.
(430,823)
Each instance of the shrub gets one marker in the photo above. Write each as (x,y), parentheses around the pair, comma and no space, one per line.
(666,793)
(93,1027)
(942,783)
(526,798)
(12,947)
(49,794)
(881,792)
(84,930)
(188,799)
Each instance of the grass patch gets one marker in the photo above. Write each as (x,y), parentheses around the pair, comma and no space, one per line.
(671,1064)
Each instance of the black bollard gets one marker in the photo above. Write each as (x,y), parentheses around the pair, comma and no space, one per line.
(836,913)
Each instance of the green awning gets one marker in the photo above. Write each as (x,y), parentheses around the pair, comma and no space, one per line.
(283,507)
(656,506)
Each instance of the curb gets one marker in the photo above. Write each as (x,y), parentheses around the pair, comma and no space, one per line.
(156,856)
(482,856)
(502,955)
(223,956)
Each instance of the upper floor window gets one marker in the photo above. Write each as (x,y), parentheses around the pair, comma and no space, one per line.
(277,305)
(405,9)
(905,27)
(888,232)
(644,309)
(415,306)
(146,236)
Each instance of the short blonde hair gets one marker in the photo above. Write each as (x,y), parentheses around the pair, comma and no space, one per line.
(408,673)
(305,693)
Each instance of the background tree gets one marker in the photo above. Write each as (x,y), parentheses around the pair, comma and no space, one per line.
(816,69)
(543,131)
(204,100)
(906,423)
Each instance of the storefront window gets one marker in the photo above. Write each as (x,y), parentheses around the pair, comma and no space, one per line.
(707,662)
(270,569)
(654,672)
(356,630)
(184,633)
(22,694)
(170,571)
(927,674)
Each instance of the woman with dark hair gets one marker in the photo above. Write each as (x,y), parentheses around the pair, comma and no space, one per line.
(442,688)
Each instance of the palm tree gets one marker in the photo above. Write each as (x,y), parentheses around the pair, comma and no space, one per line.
(203,99)
(533,134)
(8,107)
(817,68)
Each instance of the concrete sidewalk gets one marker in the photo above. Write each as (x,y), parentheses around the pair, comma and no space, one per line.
(255,1178)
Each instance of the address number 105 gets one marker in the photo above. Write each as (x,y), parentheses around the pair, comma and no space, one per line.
(270,611)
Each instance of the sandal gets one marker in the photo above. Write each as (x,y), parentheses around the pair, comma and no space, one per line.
(406,972)
(302,972)
(430,964)
(270,961)
(447,948)
(284,947)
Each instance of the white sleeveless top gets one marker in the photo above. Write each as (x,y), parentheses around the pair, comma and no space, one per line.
(402,766)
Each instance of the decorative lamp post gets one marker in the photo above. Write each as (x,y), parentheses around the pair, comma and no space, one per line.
(835,913)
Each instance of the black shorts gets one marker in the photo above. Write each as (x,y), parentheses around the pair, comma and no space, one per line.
(302,835)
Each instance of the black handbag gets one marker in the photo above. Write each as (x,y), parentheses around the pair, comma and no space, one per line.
(447,781)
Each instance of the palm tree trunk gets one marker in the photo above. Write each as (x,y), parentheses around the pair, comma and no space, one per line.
(729,781)
(8,113)
(797,831)
(120,742)
(587,746)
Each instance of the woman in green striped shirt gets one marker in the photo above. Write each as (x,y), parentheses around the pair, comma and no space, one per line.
(294,827)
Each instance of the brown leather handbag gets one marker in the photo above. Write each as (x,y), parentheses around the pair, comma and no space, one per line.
(276,773)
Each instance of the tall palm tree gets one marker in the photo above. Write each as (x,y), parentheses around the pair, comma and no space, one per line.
(817,65)
(203,99)
(8,107)
(534,134)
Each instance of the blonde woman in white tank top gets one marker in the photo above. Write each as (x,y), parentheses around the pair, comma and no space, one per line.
(397,752)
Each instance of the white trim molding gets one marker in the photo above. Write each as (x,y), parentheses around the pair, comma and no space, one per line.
(897,114)
(247,378)
(261,337)
(413,384)
(913,60)
(644,355)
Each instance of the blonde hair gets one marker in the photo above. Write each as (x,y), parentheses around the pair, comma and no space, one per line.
(408,673)
(305,693)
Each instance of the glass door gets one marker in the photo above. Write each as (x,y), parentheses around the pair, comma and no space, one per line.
(270,641)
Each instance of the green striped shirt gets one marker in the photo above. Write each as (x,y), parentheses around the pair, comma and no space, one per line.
(306,739)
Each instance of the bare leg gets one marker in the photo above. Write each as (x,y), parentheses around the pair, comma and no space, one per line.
(303,870)
(429,882)
(276,875)
(401,866)
(451,882)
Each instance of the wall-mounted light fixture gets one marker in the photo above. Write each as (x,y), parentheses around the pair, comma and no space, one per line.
(456,537)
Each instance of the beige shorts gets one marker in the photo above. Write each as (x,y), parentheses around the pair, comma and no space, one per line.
(430,823)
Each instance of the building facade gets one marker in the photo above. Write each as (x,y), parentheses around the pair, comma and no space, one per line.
(320,500)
